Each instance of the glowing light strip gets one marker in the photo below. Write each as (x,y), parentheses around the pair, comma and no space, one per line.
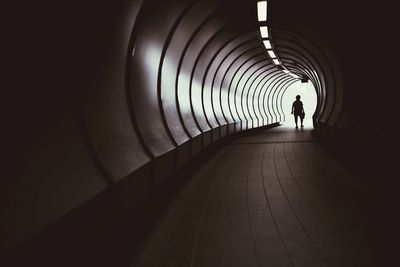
(266,38)
(262,10)
(271,53)
(267,44)
(264,31)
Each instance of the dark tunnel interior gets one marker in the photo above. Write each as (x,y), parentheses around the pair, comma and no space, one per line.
(109,105)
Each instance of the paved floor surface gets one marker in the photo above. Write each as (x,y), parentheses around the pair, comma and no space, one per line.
(270,199)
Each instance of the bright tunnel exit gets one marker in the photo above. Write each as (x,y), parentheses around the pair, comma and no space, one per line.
(308,97)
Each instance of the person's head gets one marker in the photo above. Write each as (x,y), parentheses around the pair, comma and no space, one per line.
(298,97)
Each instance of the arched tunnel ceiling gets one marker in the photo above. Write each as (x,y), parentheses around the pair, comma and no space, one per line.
(357,33)
(128,92)
(199,68)
(204,62)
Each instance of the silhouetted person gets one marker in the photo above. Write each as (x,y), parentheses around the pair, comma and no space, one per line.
(298,111)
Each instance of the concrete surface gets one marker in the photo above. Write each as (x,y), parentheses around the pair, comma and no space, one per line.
(270,199)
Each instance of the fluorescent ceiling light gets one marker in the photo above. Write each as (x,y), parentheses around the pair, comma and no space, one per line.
(271,53)
(276,62)
(262,10)
(264,31)
(267,44)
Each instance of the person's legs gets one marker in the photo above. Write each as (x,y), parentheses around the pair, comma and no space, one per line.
(295,119)
(301,120)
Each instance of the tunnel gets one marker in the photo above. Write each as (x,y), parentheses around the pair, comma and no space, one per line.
(110,108)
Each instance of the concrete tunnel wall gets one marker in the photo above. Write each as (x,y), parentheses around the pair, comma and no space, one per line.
(117,100)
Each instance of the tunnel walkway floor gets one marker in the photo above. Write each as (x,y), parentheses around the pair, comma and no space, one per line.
(274,198)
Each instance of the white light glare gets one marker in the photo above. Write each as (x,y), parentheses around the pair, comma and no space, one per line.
(286,71)
(276,62)
(271,53)
(262,10)
(267,44)
(264,31)
(294,76)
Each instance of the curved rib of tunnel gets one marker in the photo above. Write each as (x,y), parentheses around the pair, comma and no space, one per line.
(140,93)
